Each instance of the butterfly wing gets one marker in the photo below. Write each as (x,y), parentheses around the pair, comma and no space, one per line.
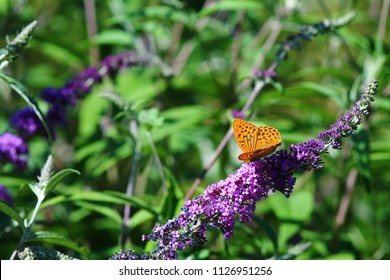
(258,154)
(267,137)
(255,142)
(245,156)
(246,135)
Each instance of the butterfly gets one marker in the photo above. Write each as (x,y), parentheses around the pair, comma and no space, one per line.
(255,142)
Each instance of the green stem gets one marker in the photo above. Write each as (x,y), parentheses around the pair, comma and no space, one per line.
(131,182)
(28,227)
(158,161)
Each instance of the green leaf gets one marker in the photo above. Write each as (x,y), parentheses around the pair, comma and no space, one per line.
(55,238)
(12,214)
(114,37)
(5,6)
(104,210)
(138,86)
(297,208)
(269,231)
(292,212)
(342,256)
(172,202)
(163,13)
(107,197)
(361,151)
(230,5)
(167,13)
(181,118)
(140,217)
(285,232)
(62,52)
(121,152)
(295,251)
(304,88)
(278,86)
(150,118)
(13,182)
(119,101)
(26,95)
(93,148)
(91,110)
(135,201)
(339,73)
(53,182)
(382,103)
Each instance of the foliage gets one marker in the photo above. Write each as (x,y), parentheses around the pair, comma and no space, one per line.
(154,86)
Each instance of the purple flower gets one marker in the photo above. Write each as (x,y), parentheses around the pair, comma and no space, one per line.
(266,74)
(27,123)
(237,195)
(5,196)
(347,124)
(125,255)
(59,97)
(308,154)
(57,115)
(223,201)
(13,149)
(115,63)
(237,114)
(82,84)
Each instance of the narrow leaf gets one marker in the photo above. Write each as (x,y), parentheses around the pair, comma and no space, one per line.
(12,214)
(26,95)
(230,5)
(361,151)
(104,210)
(107,197)
(53,182)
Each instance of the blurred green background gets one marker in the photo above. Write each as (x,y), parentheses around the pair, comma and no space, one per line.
(338,212)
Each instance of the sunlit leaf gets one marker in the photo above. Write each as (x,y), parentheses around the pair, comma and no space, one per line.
(55,179)
(230,5)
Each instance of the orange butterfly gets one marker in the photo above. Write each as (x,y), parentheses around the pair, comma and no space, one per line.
(255,142)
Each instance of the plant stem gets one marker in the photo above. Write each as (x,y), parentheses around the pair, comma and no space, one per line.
(259,85)
(90,23)
(28,227)
(346,199)
(383,20)
(308,32)
(245,84)
(188,47)
(131,183)
(158,161)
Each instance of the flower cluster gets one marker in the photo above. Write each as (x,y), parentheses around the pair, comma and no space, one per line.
(308,32)
(265,74)
(27,124)
(347,124)
(237,114)
(13,149)
(42,253)
(125,255)
(237,195)
(63,98)
(295,41)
